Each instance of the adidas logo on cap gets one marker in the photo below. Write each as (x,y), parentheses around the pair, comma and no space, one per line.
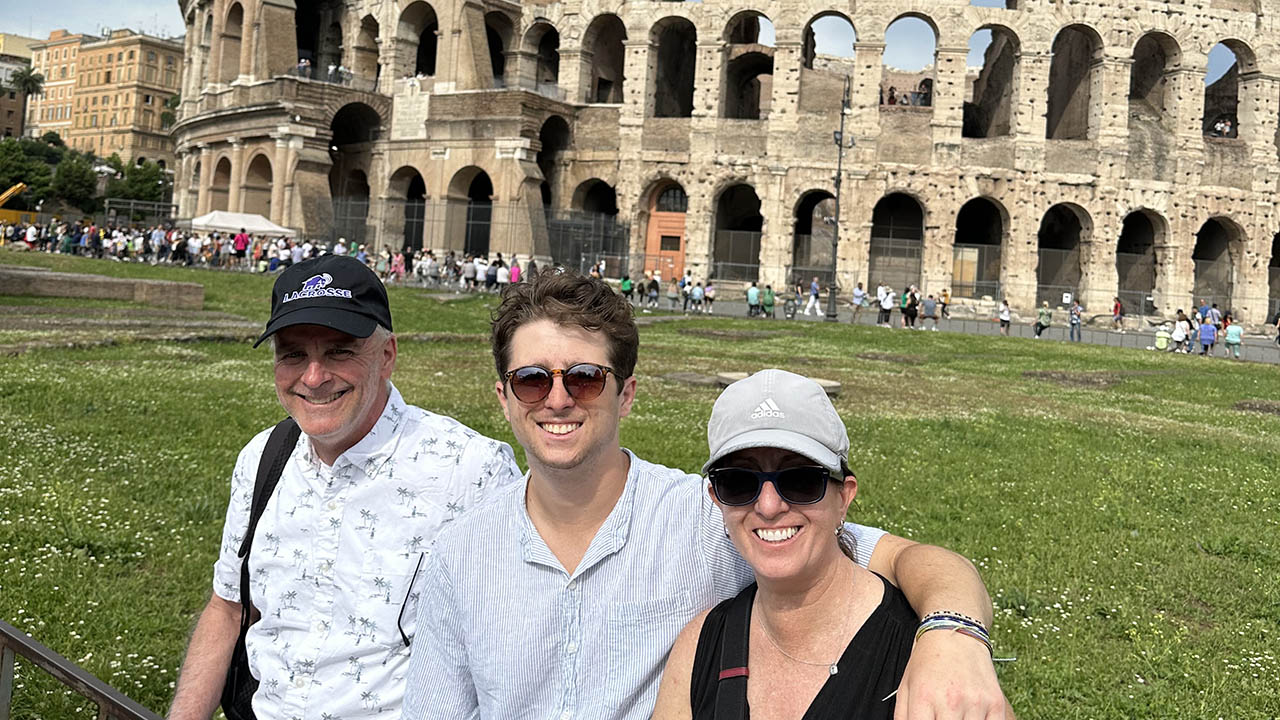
(767,408)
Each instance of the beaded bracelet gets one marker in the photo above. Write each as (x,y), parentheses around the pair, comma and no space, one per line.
(966,626)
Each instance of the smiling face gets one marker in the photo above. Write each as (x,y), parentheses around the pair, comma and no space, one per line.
(333,384)
(559,432)
(779,540)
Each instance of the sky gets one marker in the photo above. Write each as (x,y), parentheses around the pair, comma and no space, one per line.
(37,19)
(910,41)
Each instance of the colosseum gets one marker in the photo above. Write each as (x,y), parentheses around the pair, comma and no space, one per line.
(1091,152)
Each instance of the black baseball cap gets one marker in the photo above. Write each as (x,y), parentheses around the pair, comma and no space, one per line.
(334,291)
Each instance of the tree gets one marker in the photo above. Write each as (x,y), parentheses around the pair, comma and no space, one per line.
(169,115)
(75,182)
(52,138)
(140,182)
(28,82)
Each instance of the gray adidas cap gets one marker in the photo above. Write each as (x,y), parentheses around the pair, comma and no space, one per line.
(778,409)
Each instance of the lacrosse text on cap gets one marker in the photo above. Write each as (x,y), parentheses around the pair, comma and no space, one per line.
(778,409)
(334,291)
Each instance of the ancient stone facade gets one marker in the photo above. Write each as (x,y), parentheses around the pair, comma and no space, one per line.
(1087,156)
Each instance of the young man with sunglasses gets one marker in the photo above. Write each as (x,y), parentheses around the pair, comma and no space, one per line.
(563,596)
(369,483)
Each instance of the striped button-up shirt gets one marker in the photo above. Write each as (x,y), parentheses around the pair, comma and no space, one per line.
(506,632)
(334,556)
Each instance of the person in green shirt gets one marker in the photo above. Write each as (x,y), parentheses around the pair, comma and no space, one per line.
(1044,317)
(768,300)
(626,287)
(1235,336)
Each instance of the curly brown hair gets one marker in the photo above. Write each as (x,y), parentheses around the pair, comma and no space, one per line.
(567,298)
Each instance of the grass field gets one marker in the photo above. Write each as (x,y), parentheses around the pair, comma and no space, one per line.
(1123,510)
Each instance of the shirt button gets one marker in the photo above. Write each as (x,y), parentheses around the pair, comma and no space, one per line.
(572,647)
(573,584)
(566,715)
(299,683)
(333,505)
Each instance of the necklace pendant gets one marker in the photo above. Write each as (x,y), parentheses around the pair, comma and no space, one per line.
(834,668)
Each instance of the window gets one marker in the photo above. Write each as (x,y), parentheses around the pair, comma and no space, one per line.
(673,199)
(131,56)
(168,61)
(670,243)
(151,57)
(108,76)
(120,56)
(146,99)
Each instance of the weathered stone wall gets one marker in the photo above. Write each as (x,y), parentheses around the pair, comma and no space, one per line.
(1107,154)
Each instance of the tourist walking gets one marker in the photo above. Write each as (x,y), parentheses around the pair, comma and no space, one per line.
(885,293)
(1117,315)
(1233,337)
(930,313)
(709,295)
(814,291)
(1208,338)
(1005,316)
(1044,318)
(767,301)
(753,300)
(1074,318)
(859,302)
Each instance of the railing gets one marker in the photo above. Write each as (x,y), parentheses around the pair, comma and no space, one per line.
(338,76)
(112,705)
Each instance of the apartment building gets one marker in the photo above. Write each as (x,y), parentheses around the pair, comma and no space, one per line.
(55,58)
(15,54)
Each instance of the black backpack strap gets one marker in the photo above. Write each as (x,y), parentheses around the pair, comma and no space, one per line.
(731,685)
(280,445)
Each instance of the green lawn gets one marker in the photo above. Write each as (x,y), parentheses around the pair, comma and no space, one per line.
(1123,513)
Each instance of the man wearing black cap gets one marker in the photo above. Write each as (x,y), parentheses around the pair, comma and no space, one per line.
(367,487)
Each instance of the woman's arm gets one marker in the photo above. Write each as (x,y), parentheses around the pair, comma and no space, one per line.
(674,702)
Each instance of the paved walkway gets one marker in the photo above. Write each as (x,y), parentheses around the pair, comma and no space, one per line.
(1255,348)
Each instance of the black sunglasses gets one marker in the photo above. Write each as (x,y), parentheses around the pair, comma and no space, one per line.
(532,383)
(803,485)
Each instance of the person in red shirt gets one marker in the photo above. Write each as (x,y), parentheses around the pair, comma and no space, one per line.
(240,244)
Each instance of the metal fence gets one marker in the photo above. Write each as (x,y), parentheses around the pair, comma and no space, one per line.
(1057,274)
(975,271)
(896,261)
(1136,273)
(1214,282)
(112,704)
(810,258)
(736,257)
(138,212)
(579,239)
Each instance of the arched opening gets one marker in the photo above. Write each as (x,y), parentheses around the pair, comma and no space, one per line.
(319,36)
(498,31)
(193,189)
(1273,281)
(554,140)
(419,30)
(220,190)
(1219,246)
(828,36)
(988,111)
(1062,230)
(747,83)
(897,241)
(666,203)
(1136,261)
(1075,70)
(815,225)
(354,128)
(603,54)
(1151,80)
(589,231)
(365,63)
(977,251)
(1228,62)
(909,67)
(229,47)
(408,187)
(479,215)
(257,186)
(544,41)
(674,52)
(738,229)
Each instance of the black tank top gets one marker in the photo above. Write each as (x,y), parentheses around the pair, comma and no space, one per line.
(870,668)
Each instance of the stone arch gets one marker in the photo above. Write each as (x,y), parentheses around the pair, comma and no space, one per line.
(220,189)
(982,233)
(319,36)
(364,62)
(1141,233)
(499,33)
(603,52)
(825,34)
(417,33)
(1222,96)
(1156,58)
(1217,254)
(738,228)
(814,228)
(995,90)
(910,82)
(1075,73)
(349,188)
(673,49)
(595,196)
(747,66)
(1064,229)
(897,240)
(542,44)
(258,179)
(407,187)
(749,27)
(229,44)
(664,204)
(471,209)
(554,139)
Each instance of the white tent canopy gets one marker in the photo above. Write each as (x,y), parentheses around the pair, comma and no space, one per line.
(253,224)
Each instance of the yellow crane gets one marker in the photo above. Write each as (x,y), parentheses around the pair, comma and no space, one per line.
(11,192)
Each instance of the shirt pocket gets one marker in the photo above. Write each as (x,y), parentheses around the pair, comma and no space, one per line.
(640,635)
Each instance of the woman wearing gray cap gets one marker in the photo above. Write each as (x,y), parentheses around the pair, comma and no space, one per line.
(816,630)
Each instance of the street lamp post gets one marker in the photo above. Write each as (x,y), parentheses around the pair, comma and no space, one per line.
(845,110)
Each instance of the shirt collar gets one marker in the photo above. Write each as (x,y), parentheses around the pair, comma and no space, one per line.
(377,445)
(609,539)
